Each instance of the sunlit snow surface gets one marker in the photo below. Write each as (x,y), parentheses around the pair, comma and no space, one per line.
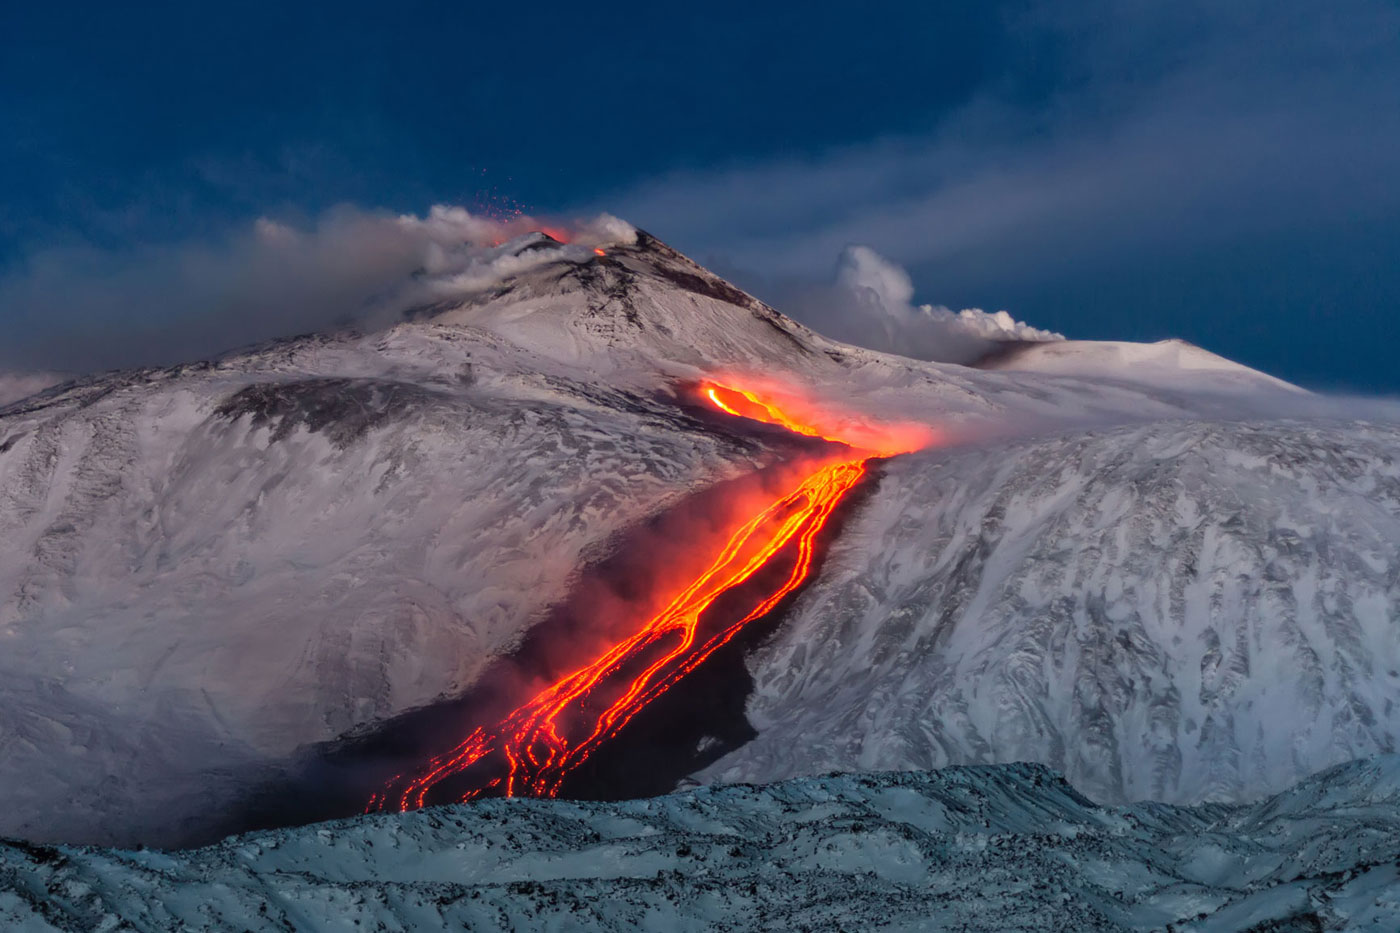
(1008,847)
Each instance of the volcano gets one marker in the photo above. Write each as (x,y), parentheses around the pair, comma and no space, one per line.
(1165,575)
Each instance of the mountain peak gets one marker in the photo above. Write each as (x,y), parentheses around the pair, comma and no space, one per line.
(575,302)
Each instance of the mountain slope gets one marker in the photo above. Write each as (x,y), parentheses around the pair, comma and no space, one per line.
(205,568)
(244,558)
(208,567)
(1166,362)
(996,848)
(1180,611)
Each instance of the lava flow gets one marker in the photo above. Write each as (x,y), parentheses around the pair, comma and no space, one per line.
(533,748)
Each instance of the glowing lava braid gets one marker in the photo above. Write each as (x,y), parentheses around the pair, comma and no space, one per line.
(557,730)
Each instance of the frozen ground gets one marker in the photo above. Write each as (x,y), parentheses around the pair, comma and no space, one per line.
(996,848)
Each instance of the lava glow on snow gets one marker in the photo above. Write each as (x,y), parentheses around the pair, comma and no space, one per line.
(558,729)
(745,403)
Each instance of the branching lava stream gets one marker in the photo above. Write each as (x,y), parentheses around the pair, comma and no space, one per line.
(543,740)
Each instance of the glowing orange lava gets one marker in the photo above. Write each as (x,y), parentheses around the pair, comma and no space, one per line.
(777,405)
(557,730)
(747,404)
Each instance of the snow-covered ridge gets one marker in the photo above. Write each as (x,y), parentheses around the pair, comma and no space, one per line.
(1166,362)
(990,848)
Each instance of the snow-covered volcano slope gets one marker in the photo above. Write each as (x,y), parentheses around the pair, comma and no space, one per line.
(1166,363)
(205,567)
(1176,611)
(17,386)
(1010,847)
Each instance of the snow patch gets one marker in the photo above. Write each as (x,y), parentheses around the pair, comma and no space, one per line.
(991,848)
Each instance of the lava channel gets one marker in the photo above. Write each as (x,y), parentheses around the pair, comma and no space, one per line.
(534,747)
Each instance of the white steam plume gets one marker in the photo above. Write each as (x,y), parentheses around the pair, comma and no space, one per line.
(871,305)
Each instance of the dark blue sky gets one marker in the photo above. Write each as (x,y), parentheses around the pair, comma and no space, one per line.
(152,121)
(1106,170)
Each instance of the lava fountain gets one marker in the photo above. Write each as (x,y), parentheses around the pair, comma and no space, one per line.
(534,747)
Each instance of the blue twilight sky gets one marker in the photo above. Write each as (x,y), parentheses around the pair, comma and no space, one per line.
(1227,173)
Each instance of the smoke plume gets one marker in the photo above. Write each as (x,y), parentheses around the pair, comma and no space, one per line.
(871,305)
(83,309)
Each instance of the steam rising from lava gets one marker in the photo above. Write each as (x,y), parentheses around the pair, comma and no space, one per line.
(533,748)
